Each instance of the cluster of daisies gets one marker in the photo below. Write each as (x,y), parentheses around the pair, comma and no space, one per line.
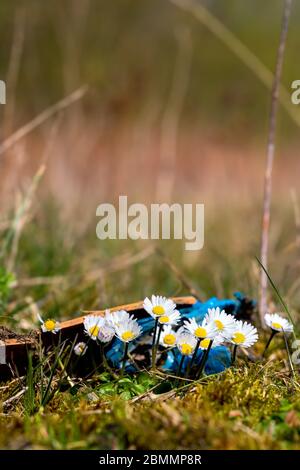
(170,331)
(216,328)
(118,324)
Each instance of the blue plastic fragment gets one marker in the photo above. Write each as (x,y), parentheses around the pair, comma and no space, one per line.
(219,358)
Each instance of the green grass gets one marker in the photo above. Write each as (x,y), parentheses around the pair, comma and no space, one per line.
(253,406)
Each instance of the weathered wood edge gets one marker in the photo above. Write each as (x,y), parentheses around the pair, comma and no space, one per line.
(17,347)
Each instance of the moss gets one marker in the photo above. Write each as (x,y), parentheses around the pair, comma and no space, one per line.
(246,407)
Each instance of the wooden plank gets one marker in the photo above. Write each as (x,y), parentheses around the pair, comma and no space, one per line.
(132,307)
(16,349)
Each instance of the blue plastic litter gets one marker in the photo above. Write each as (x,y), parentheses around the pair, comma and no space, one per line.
(219,358)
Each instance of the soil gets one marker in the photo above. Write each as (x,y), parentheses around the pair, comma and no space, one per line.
(6,333)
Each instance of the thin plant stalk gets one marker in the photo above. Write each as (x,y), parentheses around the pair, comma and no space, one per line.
(191,363)
(204,359)
(64,372)
(41,364)
(160,327)
(179,275)
(289,354)
(270,160)
(237,47)
(283,303)
(65,367)
(53,369)
(179,368)
(124,358)
(154,344)
(158,336)
(234,354)
(20,133)
(30,402)
(171,119)
(269,342)
(105,364)
(101,352)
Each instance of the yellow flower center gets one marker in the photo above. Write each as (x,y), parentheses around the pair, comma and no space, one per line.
(169,339)
(94,331)
(164,319)
(200,332)
(50,324)
(205,343)
(238,338)
(219,324)
(276,325)
(186,349)
(127,335)
(158,310)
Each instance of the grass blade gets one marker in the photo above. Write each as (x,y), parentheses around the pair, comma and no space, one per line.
(283,303)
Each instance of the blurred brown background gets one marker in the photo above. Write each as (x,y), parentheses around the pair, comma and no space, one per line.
(171,112)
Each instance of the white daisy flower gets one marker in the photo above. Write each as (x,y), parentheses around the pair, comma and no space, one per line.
(244,334)
(128,330)
(201,330)
(80,349)
(159,306)
(217,341)
(106,333)
(171,319)
(168,337)
(92,325)
(49,326)
(186,343)
(278,323)
(115,318)
(223,321)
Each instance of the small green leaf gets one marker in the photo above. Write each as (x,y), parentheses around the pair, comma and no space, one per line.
(126,395)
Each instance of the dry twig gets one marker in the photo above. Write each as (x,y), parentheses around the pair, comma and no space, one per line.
(21,217)
(41,118)
(170,122)
(270,160)
(184,281)
(237,47)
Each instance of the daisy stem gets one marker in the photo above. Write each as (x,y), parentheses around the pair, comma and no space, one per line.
(289,354)
(191,363)
(234,354)
(101,353)
(158,334)
(124,358)
(154,345)
(179,368)
(103,358)
(158,338)
(203,360)
(269,342)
